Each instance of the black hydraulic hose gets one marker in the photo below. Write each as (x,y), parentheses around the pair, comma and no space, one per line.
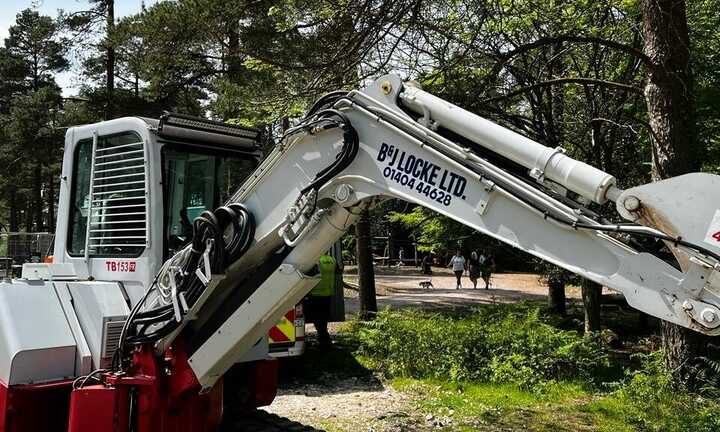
(119,351)
(242,224)
(156,335)
(232,228)
(327,99)
(160,315)
(230,219)
(247,227)
(153,312)
(677,241)
(350,148)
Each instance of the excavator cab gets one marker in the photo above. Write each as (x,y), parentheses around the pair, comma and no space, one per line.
(130,190)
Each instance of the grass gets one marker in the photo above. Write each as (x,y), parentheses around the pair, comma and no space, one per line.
(562,406)
(513,367)
(509,368)
(487,406)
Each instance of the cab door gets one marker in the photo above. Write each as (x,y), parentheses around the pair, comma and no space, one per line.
(108,194)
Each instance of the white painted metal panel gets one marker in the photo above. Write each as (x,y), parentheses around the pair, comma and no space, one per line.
(95,304)
(36,343)
(83,361)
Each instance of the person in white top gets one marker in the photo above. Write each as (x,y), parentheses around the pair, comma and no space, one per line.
(457,262)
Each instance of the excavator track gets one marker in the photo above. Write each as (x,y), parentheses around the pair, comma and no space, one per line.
(263,421)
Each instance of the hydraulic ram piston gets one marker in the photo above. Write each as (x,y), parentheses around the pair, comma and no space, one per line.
(542,161)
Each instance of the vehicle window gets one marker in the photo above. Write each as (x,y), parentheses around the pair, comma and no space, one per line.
(116,207)
(194,182)
(80,198)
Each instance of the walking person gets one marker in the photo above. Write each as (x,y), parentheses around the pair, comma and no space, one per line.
(487,267)
(457,262)
(474,270)
(401,258)
(427,263)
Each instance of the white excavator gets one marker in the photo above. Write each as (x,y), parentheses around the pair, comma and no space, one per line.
(175,254)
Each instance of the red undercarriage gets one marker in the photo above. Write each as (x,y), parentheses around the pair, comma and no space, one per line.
(153,399)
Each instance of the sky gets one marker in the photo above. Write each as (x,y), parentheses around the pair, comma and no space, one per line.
(10,8)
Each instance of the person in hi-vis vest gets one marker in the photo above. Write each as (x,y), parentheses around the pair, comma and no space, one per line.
(317,303)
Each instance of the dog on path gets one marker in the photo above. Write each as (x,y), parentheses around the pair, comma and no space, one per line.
(426,284)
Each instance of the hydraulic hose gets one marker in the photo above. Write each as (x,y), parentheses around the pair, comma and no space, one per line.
(230,230)
(351,145)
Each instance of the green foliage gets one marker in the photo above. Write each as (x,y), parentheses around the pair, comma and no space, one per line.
(509,366)
(36,43)
(501,344)
(434,232)
(704,27)
(31,120)
(649,401)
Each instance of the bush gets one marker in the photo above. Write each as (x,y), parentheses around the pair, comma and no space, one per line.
(649,401)
(502,344)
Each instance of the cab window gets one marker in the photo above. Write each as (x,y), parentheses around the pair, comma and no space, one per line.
(80,199)
(195,181)
(117,202)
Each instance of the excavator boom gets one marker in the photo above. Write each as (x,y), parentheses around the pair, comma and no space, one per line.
(390,140)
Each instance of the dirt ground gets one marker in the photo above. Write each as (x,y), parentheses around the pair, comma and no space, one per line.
(399,287)
(362,403)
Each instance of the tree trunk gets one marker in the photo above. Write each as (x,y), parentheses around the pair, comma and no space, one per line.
(36,200)
(668,88)
(14,219)
(556,295)
(391,253)
(109,59)
(591,295)
(28,209)
(366,272)
(51,200)
(233,61)
(671,111)
(285,123)
(681,347)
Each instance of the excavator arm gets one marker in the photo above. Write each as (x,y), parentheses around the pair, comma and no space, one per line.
(249,264)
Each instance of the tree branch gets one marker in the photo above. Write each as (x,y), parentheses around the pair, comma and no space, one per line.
(584,81)
(577,39)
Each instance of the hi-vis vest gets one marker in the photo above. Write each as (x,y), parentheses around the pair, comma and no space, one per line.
(326,286)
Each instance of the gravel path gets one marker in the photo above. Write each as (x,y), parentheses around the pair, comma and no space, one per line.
(351,404)
(365,404)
